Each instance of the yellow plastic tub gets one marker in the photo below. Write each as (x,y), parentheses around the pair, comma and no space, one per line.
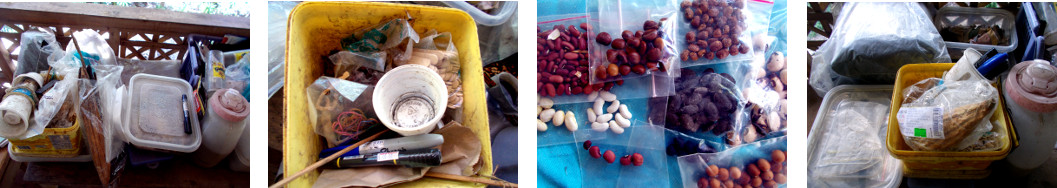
(943,165)
(315,28)
(53,142)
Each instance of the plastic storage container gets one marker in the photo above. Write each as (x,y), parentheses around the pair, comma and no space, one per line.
(963,16)
(53,142)
(1030,90)
(942,164)
(25,159)
(226,113)
(839,155)
(154,116)
(317,27)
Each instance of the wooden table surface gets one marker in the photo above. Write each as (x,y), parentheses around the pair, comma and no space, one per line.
(180,171)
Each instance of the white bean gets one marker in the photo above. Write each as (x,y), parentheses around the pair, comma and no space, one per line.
(570,122)
(622,121)
(625,112)
(546,115)
(605,95)
(538,110)
(592,96)
(613,106)
(546,103)
(600,127)
(591,115)
(616,128)
(598,106)
(604,117)
(559,118)
(540,126)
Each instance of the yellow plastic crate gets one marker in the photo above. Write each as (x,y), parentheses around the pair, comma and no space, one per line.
(53,142)
(315,28)
(934,164)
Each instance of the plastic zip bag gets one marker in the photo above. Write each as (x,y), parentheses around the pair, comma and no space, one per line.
(945,115)
(614,17)
(871,41)
(753,21)
(708,103)
(341,110)
(642,138)
(238,77)
(694,167)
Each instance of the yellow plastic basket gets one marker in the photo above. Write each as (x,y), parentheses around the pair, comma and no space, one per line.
(53,142)
(315,28)
(935,164)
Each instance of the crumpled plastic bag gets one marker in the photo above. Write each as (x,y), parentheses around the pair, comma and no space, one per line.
(871,41)
(947,114)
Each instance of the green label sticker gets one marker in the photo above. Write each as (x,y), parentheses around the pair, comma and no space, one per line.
(919,132)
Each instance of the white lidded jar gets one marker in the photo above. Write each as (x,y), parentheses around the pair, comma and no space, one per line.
(1030,92)
(226,115)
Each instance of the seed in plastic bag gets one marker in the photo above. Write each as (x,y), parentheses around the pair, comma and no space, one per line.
(752,170)
(779,178)
(757,181)
(770,184)
(570,122)
(603,38)
(767,175)
(764,165)
(778,156)
(712,171)
(559,118)
(702,182)
(609,156)
(735,173)
(724,174)
(587,145)
(546,115)
(715,183)
(594,152)
(618,44)
(636,159)
(625,160)
(626,34)
(615,128)
(540,126)
(613,70)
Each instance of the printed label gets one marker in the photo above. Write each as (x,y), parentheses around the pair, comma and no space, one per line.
(922,122)
(388,156)
(218,69)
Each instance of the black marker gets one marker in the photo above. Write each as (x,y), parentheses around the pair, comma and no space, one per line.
(410,159)
(187,117)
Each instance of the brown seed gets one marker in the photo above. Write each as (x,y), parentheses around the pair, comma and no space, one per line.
(724,174)
(763,164)
(572,56)
(735,173)
(634,42)
(625,69)
(702,183)
(586,27)
(627,34)
(770,184)
(715,183)
(612,70)
(550,90)
(634,58)
(778,156)
(690,36)
(603,38)
(715,45)
(555,78)
(683,56)
(636,158)
(712,171)
(728,183)
(618,44)
(756,181)
(650,36)
(650,24)
(752,170)
(780,178)
(743,49)
(601,72)
(638,69)
(693,48)
(594,152)
(611,55)
(767,175)
(659,42)
(722,53)
(654,54)
(777,167)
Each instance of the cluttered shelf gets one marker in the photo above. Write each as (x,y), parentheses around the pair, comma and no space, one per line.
(131,69)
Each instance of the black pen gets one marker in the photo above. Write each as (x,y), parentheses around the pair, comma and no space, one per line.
(187,118)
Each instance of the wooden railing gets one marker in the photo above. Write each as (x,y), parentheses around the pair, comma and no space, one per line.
(133,33)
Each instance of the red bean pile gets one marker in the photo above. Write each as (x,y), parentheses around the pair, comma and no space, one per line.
(562,63)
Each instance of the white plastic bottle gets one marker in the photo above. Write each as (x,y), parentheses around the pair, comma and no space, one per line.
(1031,95)
(226,115)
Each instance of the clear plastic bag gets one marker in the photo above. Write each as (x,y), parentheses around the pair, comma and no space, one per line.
(551,63)
(341,110)
(615,17)
(97,109)
(216,73)
(642,138)
(708,103)
(92,47)
(371,43)
(694,167)
(278,12)
(439,49)
(238,77)
(753,20)
(871,41)
(946,115)
(850,150)
(38,48)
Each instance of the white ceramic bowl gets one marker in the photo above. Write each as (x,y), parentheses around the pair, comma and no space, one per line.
(404,81)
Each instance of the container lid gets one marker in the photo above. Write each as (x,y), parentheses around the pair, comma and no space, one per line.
(1033,85)
(229,104)
(155,114)
(847,142)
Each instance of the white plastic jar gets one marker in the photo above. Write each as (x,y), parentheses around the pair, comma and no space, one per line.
(1030,92)
(226,115)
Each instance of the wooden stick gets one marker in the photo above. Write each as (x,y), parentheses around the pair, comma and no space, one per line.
(325,160)
(471,179)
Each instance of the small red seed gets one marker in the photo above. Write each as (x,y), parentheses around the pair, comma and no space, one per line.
(594,152)
(587,144)
(609,156)
(635,158)
(625,160)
